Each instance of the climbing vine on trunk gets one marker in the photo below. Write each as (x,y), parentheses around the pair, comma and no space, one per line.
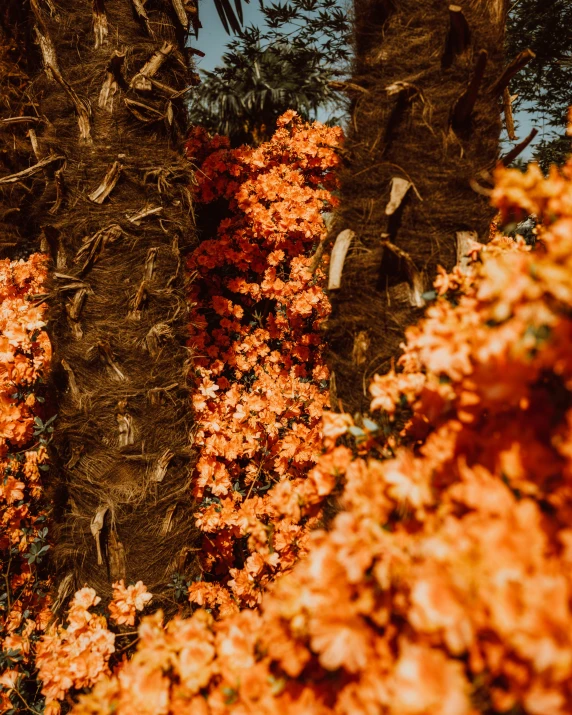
(258,304)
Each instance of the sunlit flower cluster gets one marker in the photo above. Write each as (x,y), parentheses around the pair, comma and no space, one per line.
(75,656)
(25,355)
(262,384)
(127,601)
(444,584)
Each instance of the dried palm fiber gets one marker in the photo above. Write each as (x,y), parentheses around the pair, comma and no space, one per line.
(116,216)
(422,139)
(18,61)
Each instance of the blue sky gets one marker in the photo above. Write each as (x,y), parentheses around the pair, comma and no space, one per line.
(213,40)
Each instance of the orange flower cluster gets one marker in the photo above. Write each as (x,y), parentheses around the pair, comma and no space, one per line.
(166,674)
(24,349)
(261,379)
(78,655)
(444,585)
(127,601)
(25,355)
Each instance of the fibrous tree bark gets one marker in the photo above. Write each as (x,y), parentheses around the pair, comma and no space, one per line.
(116,217)
(17,123)
(423,139)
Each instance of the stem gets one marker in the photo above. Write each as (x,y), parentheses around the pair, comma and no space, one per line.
(254,482)
(7,580)
(515,151)
(127,646)
(27,449)
(28,708)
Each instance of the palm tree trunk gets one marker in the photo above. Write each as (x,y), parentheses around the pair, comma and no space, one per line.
(116,216)
(423,139)
(17,59)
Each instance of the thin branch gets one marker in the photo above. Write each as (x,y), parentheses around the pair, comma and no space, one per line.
(59,180)
(181,13)
(141,81)
(466,103)
(140,10)
(459,36)
(145,211)
(347,86)
(520,61)
(28,708)
(30,171)
(135,108)
(110,179)
(100,27)
(7,580)
(82,110)
(508,116)
(518,149)
(478,189)
(44,40)
(34,142)
(20,120)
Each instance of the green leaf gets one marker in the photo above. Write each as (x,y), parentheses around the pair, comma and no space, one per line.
(370,425)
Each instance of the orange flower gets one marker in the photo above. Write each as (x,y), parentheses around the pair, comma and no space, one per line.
(334,426)
(341,641)
(127,601)
(425,681)
(76,656)
(12,490)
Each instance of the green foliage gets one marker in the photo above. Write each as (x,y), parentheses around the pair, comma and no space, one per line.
(545,84)
(288,64)
(180,587)
(230,18)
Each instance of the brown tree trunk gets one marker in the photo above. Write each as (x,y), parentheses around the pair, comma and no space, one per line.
(423,139)
(17,120)
(116,216)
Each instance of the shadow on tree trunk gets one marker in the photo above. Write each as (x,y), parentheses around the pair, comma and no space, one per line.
(423,135)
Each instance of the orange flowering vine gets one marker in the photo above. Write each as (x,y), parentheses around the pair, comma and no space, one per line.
(444,584)
(25,355)
(33,645)
(261,386)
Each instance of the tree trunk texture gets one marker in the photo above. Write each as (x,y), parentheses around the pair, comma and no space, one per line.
(17,123)
(116,217)
(422,140)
